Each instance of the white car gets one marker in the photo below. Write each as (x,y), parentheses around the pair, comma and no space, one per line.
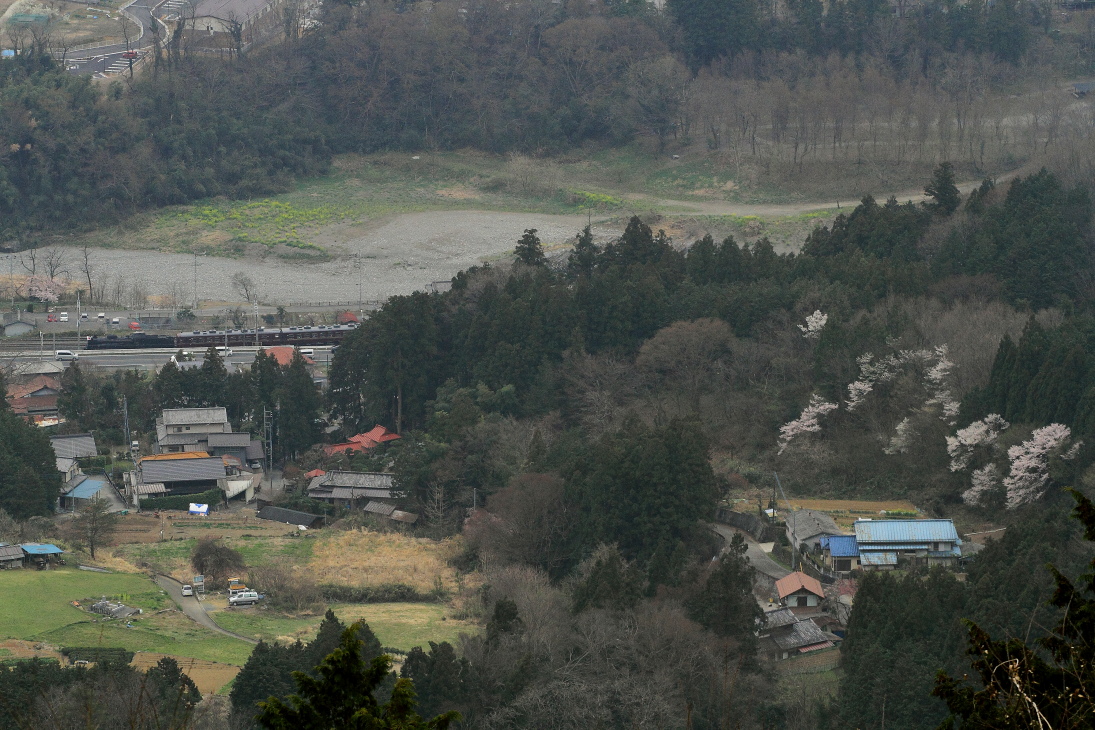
(224,351)
(188,590)
(66,355)
(116,321)
(63,317)
(83,315)
(306,352)
(101,315)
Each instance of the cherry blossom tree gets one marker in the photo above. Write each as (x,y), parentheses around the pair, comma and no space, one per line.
(814,324)
(962,445)
(1029,474)
(808,422)
(985,481)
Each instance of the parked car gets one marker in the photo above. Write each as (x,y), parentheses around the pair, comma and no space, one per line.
(306,352)
(245,598)
(101,315)
(83,315)
(224,351)
(116,321)
(51,317)
(66,355)
(63,317)
(188,590)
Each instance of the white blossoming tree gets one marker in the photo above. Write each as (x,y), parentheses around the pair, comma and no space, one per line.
(961,446)
(814,324)
(808,422)
(1029,473)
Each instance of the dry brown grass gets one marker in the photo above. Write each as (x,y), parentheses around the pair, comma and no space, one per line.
(209,676)
(372,558)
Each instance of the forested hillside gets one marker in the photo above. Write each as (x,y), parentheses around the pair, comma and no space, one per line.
(938,352)
(835,95)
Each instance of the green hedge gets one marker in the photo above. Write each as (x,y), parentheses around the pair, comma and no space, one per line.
(386,593)
(97,654)
(213,498)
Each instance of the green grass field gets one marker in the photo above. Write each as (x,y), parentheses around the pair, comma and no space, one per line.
(166,557)
(33,601)
(398,625)
(36,605)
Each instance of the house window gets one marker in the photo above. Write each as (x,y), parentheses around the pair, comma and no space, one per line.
(188,428)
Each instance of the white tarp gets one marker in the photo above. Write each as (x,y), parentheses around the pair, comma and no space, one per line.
(199,509)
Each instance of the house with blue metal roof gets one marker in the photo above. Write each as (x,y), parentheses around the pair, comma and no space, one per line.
(840,553)
(889,544)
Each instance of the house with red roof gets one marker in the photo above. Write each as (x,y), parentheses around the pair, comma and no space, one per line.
(799,590)
(362,442)
(283,355)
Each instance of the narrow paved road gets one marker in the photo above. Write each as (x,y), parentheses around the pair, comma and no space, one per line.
(759,559)
(193,608)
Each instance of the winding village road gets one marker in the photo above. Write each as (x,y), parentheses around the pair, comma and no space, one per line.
(193,608)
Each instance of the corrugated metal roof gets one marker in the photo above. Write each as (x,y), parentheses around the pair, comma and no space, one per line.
(380,508)
(40,548)
(180,439)
(182,470)
(814,647)
(87,489)
(75,446)
(11,552)
(866,558)
(154,488)
(841,546)
(892,531)
(191,416)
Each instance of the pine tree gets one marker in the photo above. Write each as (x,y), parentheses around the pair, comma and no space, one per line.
(943,191)
(342,695)
(529,249)
(299,408)
(583,257)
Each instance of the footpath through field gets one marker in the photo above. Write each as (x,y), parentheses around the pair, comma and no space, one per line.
(193,608)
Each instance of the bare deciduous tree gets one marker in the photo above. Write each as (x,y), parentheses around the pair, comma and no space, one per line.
(245,286)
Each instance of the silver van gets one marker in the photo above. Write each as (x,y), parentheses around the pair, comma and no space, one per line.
(244,598)
(66,355)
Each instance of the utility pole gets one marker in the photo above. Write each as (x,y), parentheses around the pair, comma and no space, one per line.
(268,433)
(125,412)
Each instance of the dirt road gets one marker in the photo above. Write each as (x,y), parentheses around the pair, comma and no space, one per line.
(759,559)
(193,608)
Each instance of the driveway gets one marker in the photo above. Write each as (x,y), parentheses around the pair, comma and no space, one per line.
(193,608)
(759,559)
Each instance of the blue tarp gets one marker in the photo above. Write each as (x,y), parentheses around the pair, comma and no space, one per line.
(36,548)
(199,509)
(86,489)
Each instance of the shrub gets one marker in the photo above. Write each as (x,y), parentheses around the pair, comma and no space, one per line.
(384,593)
(98,654)
(215,560)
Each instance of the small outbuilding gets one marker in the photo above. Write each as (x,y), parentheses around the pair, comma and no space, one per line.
(799,590)
(11,556)
(290,517)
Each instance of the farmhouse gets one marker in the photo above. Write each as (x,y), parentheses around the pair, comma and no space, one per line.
(343,488)
(806,527)
(840,553)
(799,590)
(362,442)
(887,544)
(782,635)
(181,476)
(183,430)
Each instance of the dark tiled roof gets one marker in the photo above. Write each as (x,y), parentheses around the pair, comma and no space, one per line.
(349,493)
(288,516)
(241,440)
(254,451)
(380,508)
(180,439)
(803,633)
(779,618)
(367,480)
(805,523)
(182,470)
(11,552)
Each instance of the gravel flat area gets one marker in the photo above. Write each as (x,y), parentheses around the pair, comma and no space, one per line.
(399,255)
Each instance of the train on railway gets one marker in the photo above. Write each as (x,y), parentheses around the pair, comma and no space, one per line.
(262,337)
